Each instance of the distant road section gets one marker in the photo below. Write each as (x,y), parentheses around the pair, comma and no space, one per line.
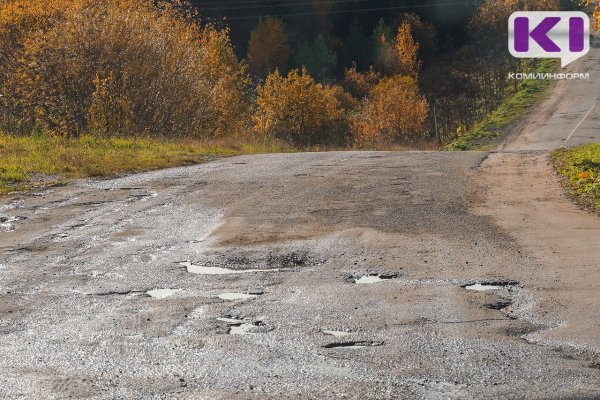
(570,116)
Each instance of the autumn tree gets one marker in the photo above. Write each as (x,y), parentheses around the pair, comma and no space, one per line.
(394,112)
(296,108)
(268,47)
(127,67)
(593,8)
(491,18)
(407,51)
(397,56)
(425,34)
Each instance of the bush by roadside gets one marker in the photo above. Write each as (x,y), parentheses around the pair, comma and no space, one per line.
(580,170)
(118,68)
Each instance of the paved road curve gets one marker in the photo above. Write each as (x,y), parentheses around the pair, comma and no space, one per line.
(135,287)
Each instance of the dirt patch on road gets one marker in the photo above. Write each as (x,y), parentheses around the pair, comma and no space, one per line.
(526,200)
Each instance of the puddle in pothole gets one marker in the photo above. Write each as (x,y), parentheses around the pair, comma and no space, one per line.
(336,333)
(490,285)
(353,345)
(482,287)
(163,293)
(199,269)
(485,286)
(237,296)
(7,225)
(241,329)
(373,278)
(237,326)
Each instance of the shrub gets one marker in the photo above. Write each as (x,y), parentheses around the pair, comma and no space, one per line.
(298,109)
(123,67)
(394,112)
(359,84)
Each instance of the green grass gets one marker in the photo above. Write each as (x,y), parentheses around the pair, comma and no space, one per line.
(580,169)
(527,94)
(30,161)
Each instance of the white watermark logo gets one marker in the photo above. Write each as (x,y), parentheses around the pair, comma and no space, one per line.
(555,76)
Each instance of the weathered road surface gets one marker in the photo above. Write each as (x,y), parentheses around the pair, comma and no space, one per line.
(77,264)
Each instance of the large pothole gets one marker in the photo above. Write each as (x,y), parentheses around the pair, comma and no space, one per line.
(372,277)
(163,293)
(242,326)
(204,270)
(237,296)
(488,285)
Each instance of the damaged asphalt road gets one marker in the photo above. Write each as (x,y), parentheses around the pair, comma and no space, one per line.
(309,276)
(374,276)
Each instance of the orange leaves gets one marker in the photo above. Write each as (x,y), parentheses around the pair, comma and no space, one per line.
(584,175)
(395,111)
(392,108)
(296,107)
(407,49)
(123,67)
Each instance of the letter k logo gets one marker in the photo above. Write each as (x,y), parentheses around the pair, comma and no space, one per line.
(549,34)
(539,34)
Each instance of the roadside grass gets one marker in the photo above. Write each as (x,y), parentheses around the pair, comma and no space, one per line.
(38,160)
(527,94)
(580,170)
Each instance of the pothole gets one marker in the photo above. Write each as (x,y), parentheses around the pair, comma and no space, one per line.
(237,296)
(336,333)
(7,225)
(238,326)
(353,345)
(163,293)
(373,278)
(486,286)
(522,328)
(203,270)
(227,262)
(500,305)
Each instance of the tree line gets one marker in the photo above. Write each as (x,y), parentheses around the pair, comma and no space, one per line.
(163,68)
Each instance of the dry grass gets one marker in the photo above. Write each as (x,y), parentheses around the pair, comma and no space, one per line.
(24,158)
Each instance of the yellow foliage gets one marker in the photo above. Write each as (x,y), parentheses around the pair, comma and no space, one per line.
(492,16)
(297,108)
(395,111)
(407,49)
(146,65)
(400,57)
(359,84)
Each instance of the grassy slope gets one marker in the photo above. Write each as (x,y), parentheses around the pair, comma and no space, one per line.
(580,168)
(528,93)
(23,159)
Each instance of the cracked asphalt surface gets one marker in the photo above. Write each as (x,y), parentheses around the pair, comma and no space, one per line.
(77,263)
